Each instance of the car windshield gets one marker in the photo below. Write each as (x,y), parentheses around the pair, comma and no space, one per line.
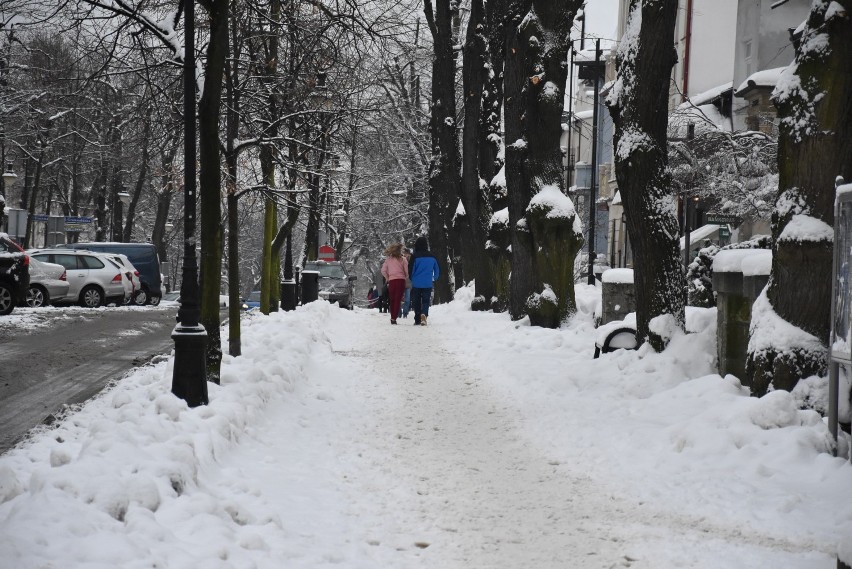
(254,296)
(327,271)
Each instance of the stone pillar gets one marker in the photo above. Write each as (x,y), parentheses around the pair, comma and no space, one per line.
(735,294)
(619,297)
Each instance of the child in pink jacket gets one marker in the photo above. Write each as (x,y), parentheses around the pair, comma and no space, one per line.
(395,271)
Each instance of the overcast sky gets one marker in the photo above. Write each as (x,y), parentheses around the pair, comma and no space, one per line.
(601,18)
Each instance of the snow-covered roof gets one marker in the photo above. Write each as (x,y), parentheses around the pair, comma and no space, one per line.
(766,78)
(707,96)
(702,232)
(698,116)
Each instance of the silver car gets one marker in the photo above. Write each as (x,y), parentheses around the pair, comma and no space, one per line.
(48,284)
(95,279)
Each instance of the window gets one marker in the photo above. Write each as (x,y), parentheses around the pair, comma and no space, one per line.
(91,262)
(67,261)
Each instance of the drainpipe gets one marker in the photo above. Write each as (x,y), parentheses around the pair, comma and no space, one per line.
(687,49)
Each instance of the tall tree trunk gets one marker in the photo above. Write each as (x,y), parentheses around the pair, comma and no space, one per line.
(269,278)
(638,104)
(474,189)
(127,234)
(164,202)
(269,274)
(445,166)
(210,280)
(232,117)
(545,237)
(814,146)
(33,197)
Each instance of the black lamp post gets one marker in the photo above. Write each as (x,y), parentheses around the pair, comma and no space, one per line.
(189,378)
(594,71)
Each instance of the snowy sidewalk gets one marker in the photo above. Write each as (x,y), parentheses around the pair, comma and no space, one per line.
(338,440)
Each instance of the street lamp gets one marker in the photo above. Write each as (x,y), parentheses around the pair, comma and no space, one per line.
(122,199)
(189,378)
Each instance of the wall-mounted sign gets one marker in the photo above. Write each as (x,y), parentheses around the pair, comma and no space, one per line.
(720,219)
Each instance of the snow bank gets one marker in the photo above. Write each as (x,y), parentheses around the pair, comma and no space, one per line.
(115,483)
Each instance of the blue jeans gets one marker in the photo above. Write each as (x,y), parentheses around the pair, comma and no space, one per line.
(406,303)
(420,299)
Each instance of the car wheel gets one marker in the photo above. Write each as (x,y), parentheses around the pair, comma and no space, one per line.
(141,298)
(37,297)
(155,301)
(91,297)
(6,302)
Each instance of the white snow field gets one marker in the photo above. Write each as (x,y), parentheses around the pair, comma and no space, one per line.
(338,440)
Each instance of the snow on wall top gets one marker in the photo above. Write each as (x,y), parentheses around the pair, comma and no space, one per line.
(765,78)
(584,115)
(620,276)
(758,264)
(731,261)
(842,189)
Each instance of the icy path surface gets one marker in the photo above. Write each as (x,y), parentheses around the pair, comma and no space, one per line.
(405,455)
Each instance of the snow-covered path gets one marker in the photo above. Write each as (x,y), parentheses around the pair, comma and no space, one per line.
(338,440)
(438,470)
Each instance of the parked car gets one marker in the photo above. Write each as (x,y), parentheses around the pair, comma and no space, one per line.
(144,258)
(132,282)
(334,284)
(95,279)
(14,274)
(252,302)
(48,284)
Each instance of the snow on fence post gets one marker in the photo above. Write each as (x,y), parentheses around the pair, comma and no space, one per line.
(739,276)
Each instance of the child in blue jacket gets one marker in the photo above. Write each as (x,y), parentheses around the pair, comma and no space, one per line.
(423,270)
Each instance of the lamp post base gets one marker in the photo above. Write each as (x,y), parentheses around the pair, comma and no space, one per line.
(189,377)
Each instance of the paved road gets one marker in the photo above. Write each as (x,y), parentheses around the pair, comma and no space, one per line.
(64,356)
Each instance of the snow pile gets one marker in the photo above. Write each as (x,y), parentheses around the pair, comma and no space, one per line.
(731,260)
(806,228)
(116,484)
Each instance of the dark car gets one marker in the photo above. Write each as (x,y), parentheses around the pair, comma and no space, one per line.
(334,284)
(14,274)
(144,257)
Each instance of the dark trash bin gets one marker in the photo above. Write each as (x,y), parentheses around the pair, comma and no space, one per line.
(310,286)
(288,295)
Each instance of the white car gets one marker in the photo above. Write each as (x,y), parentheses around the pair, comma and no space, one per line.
(95,279)
(132,284)
(48,284)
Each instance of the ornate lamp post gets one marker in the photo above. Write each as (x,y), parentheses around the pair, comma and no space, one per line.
(189,378)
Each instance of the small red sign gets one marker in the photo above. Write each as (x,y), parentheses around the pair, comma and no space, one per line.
(327,253)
